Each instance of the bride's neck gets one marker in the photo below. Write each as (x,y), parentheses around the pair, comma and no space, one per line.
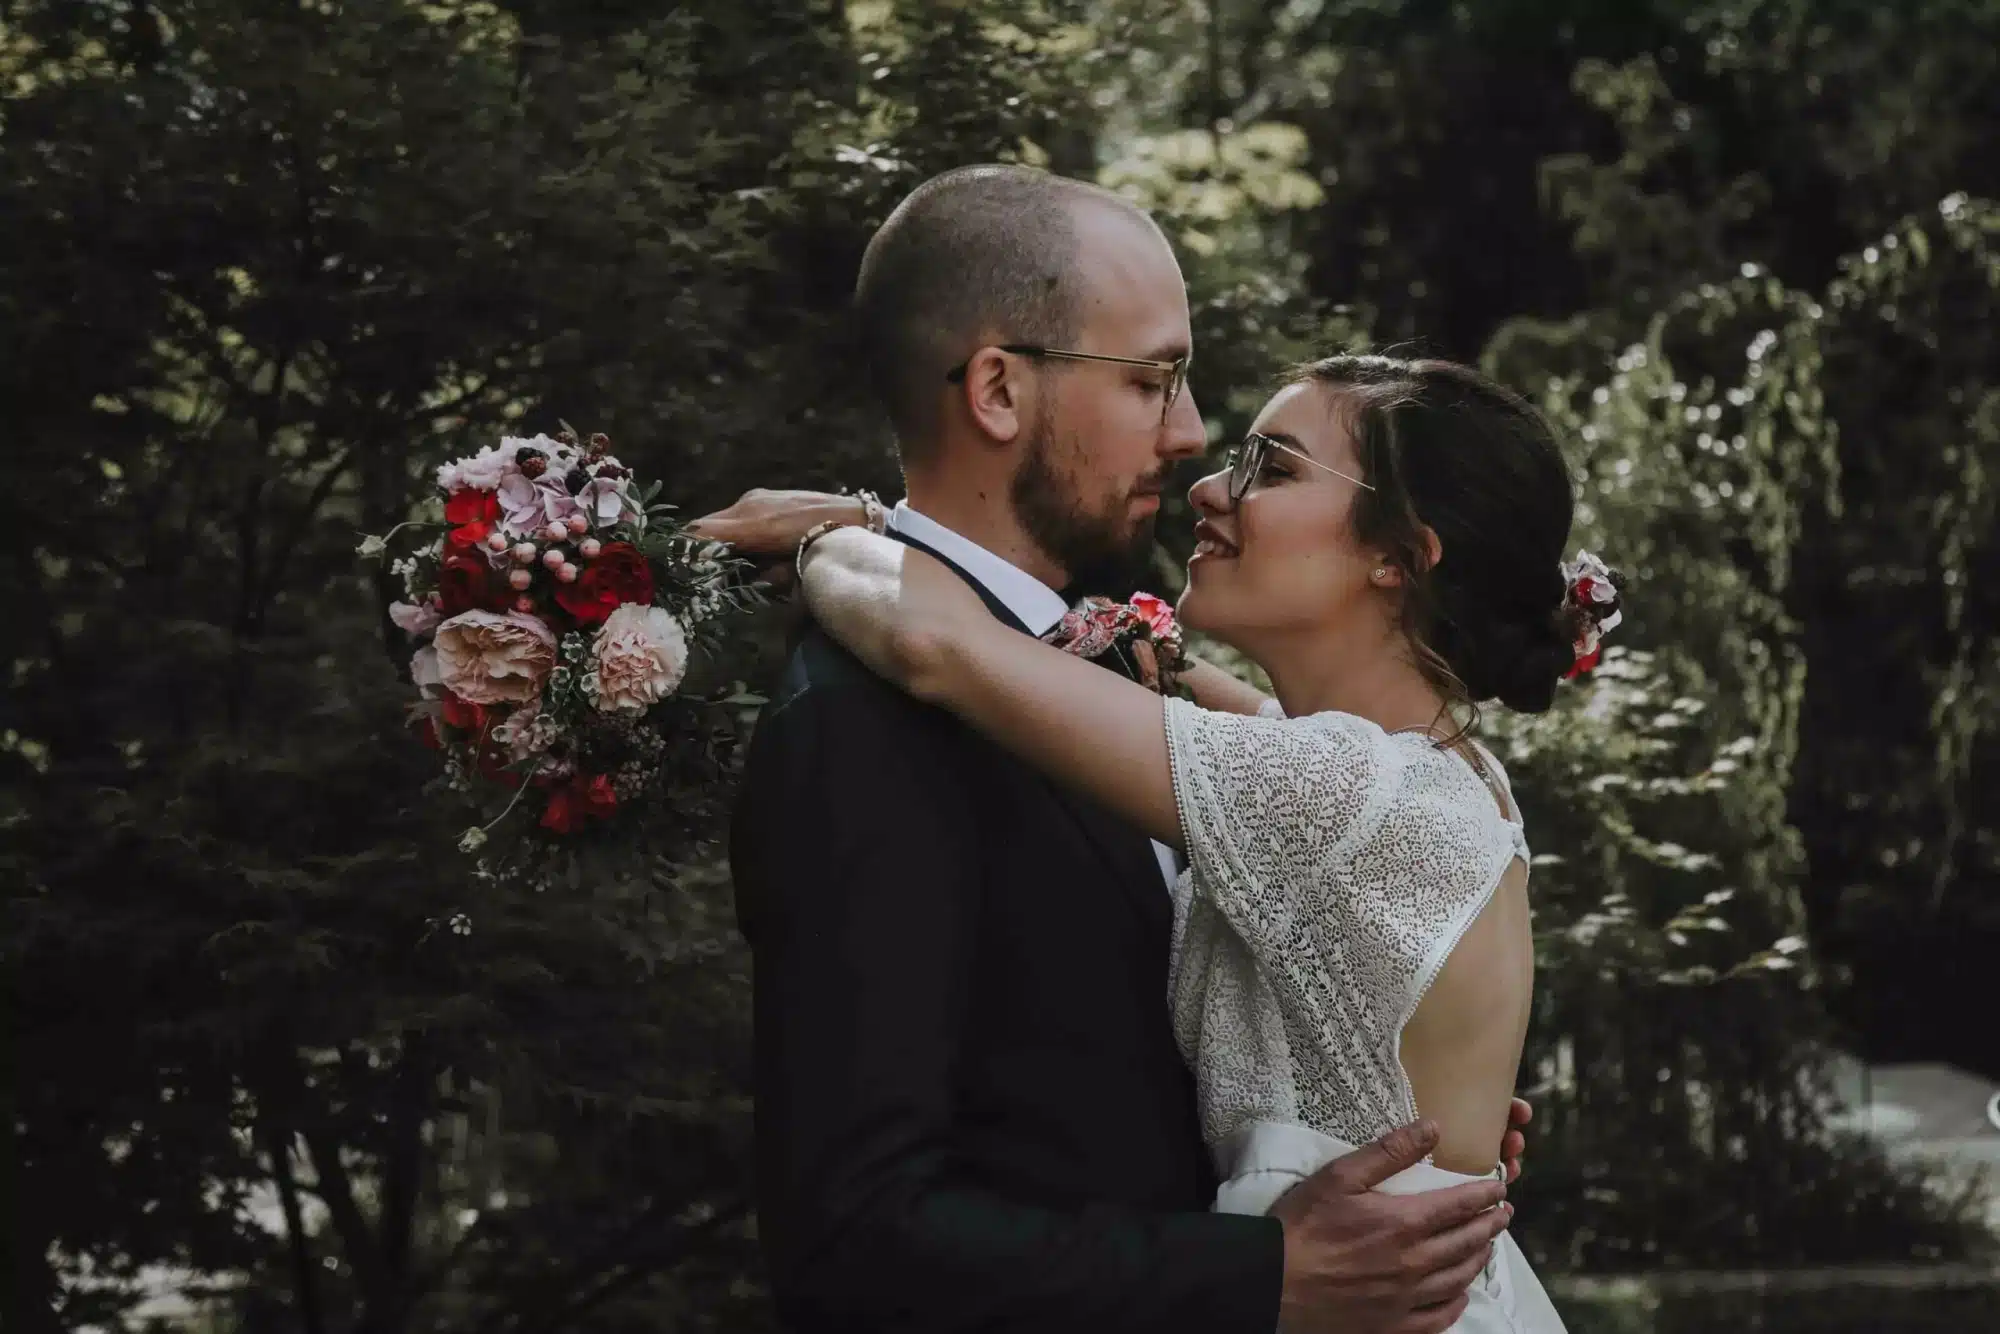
(1368,675)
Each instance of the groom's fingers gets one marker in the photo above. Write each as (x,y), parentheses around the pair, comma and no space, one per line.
(1433,1319)
(1447,1284)
(1441,1212)
(1372,1164)
(716,527)
(1450,1252)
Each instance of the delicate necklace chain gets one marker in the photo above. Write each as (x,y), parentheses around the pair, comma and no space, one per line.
(1465,746)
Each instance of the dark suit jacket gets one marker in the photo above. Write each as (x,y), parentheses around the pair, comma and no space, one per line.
(971,1114)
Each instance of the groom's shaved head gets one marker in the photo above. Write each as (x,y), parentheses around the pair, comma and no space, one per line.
(979,251)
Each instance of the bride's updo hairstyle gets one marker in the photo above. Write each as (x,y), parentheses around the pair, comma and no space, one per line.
(1448,449)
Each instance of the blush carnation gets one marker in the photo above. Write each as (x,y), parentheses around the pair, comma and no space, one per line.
(480,472)
(641,655)
(486,658)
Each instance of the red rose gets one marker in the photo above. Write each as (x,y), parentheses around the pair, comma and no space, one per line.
(464,715)
(584,797)
(469,506)
(427,733)
(468,539)
(619,574)
(467,583)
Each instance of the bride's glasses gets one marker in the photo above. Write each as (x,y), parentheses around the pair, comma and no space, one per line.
(1246,464)
(1175,370)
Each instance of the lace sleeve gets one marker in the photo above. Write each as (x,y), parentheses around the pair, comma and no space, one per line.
(1270,802)
(1350,862)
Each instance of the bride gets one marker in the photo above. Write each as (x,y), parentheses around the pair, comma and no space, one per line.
(1352,939)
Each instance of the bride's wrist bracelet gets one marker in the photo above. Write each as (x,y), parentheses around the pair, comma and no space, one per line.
(812,535)
(874,517)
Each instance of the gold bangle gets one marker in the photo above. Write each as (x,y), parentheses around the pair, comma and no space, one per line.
(814,534)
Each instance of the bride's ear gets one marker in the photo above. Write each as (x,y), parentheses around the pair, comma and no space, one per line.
(1433,549)
(994,389)
(1388,574)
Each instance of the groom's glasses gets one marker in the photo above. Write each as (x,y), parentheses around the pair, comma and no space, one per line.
(1175,370)
(1246,465)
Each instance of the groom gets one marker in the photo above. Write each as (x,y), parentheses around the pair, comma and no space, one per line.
(971,1113)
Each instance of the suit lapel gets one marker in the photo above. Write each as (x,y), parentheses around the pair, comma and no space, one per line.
(1128,855)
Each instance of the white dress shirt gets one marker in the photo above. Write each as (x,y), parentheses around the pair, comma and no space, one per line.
(1037,605)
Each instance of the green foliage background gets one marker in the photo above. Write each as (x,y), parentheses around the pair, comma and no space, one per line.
(271,260)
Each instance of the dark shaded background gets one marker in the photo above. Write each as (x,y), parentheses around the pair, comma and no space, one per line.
(268,262)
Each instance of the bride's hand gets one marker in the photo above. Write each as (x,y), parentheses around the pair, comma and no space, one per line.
(903,613)
(769,524)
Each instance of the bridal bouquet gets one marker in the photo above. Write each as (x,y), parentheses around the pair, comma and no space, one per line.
(553,614)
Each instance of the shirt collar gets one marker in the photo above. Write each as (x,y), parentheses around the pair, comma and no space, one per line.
(1038,605)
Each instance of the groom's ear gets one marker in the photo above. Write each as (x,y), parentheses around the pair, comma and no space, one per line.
(995,386)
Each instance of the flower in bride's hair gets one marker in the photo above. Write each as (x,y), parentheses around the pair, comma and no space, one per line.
(1593,606)
(487,658)
(641,654)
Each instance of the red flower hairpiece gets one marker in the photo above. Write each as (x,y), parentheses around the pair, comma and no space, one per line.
(1592,604)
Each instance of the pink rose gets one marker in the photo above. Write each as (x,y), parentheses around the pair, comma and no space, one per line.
(424,673)
(1155,612)
(487,658)
(641,655)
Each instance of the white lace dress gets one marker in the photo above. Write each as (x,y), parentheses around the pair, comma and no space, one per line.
(1333,868)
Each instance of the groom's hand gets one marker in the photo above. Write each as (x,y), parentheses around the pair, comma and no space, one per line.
(1360,1262)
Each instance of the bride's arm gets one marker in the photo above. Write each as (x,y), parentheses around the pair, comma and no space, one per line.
(914,622)
(768,524)
(1214,688)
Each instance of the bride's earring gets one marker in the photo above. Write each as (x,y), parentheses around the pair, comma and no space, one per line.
(1381,573)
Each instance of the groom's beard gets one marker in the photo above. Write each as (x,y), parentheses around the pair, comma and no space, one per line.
(1105,550)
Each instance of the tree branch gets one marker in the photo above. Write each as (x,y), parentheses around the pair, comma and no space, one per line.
(403,1166)
(357,1239)
(305,1278)
(282,557)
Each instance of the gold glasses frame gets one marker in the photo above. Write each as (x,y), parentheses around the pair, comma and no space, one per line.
(1246,460)
(1175,370)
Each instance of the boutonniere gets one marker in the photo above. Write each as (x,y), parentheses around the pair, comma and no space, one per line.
(1143,633)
